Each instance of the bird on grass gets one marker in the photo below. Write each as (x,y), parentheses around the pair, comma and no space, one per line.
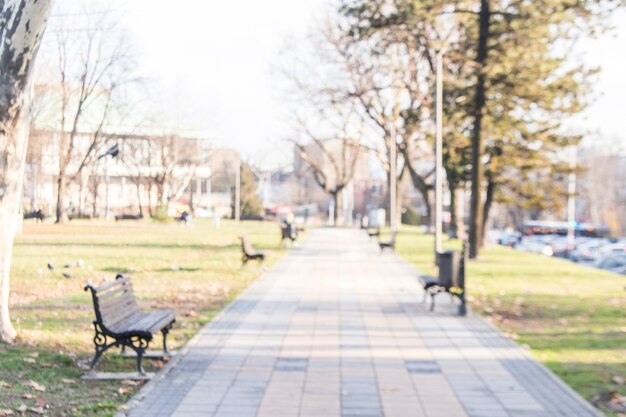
(66,275)
(50,266)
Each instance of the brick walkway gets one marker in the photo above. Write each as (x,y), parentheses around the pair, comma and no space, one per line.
(336,329)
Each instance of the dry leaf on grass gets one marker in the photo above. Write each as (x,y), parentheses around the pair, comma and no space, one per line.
(618,380)
(36,386)
(4,384)
(68,381)
(37,410)
(34,355)
(130,382)
(124,390)
(22,408)
(29,360)
(6,413)
(28,396)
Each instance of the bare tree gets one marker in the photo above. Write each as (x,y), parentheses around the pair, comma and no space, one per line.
(22,25)
(386,83)
(92,62)
(332,152)
(173,162)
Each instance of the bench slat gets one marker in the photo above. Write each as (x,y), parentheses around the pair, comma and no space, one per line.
(112,292)
(107,285)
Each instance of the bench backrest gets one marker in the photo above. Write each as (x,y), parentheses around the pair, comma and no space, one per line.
(246,245)
(114,302)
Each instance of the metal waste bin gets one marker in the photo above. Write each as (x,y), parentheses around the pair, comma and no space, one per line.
(452,274)
(449,268)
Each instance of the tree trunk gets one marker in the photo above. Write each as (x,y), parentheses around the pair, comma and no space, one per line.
(453,230)
(421,185)
(138,186)
(150,207)
(22,24)
(61,211)
(491,189)
(94,207)
(476,214)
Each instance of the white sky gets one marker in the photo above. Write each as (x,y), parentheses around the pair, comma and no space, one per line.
(216,60)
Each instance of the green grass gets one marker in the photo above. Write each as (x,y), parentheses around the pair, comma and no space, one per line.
(194,270)
(573,318)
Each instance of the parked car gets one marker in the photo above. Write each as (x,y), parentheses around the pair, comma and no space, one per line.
(533,245)
(613,263)
(588,251)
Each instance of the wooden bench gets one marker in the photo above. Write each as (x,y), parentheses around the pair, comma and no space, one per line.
(121,323)
(288,231)
(388,244)
(248,253)
(451,279)
(128,217)
(36,214)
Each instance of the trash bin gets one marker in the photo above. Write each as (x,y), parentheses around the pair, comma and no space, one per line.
(452,275)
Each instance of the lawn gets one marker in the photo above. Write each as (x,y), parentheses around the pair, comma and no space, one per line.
(572,318)
(195,270)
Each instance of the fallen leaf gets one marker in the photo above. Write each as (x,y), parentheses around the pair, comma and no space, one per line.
(6,413)
(29,360)
(68,381)
(130,382)
(34,355)
(28,396)
(618,380)
(36,386)
(45,365)
(37,410)
(22,408)
(4,384)
(124,390)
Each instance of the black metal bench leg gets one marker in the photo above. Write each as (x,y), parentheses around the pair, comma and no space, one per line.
(140,353)
(462,307)
(165,332)
(432,301)
(140,349)
(101,345)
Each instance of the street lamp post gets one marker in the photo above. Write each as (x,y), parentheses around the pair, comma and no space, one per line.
(439,153)
(392,182)
(571,201)
(238,190)
(113,151)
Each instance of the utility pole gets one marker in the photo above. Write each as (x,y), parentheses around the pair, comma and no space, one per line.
(439,154)
(392,180)
(571,201)
(238,190)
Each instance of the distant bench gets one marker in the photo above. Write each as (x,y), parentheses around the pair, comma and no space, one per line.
(388,244)
(121,323)
(451,279)
(248,253)
(36,214)
(128,217)
(288,231)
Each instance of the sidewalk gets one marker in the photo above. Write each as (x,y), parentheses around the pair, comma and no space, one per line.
(336,329)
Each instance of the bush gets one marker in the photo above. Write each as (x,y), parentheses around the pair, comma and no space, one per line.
(411,216)
(160,214)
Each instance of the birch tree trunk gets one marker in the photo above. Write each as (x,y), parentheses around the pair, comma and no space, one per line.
(22,24)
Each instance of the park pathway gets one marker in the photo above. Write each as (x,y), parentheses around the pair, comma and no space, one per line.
(336,329)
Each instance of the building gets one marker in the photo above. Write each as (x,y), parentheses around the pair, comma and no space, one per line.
(128,174)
